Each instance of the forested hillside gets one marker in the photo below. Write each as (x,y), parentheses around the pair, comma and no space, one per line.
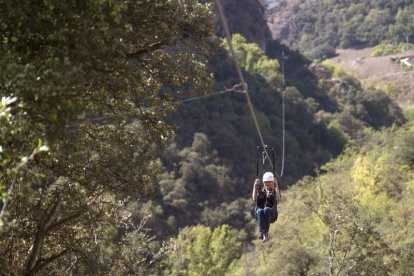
(315,98)
(205,171)
(316,28)
(354,218)
(119,157)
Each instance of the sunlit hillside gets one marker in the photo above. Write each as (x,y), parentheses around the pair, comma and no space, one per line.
(385,72)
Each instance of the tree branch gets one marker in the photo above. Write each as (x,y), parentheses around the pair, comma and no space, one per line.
(40,236)
(43,262)
(342,262)
(332,252)
(153,47)
(62,221)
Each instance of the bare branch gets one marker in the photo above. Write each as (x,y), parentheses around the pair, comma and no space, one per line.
(61,222)
(153,47)
(43,262)
(40,236)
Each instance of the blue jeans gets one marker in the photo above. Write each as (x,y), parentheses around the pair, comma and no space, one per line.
(263,218)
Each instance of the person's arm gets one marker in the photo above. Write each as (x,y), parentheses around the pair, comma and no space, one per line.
(256,186)
(278,196)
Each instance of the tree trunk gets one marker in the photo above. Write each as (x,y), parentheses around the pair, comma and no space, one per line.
(332,251)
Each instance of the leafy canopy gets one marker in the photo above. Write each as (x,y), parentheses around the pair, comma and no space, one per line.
(79,77)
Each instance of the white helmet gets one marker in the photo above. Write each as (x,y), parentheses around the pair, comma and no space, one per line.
(268,177)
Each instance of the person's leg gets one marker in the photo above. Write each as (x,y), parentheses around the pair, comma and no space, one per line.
(261,220)
(268,212)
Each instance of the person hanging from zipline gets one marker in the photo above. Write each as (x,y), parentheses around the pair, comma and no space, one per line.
(266,199)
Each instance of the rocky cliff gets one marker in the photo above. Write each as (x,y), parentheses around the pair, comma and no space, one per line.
(246,17)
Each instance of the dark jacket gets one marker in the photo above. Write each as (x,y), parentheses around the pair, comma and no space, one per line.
(265,198)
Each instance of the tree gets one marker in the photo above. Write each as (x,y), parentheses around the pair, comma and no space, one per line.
(374,28)
(198,181)
(403,29)
(254,60)
(83,75)
(205,251)
(353,243)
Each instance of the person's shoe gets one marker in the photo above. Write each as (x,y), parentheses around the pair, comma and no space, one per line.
(260,236)
(265,237)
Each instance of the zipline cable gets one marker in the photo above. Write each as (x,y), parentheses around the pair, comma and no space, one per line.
(240,75)
(283,113)
(236,88)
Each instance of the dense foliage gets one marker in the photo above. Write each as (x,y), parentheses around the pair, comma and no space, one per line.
(384,49)
(205,252)
(76,139)
(317,28)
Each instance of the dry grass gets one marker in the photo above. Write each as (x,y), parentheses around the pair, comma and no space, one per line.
(379,70)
